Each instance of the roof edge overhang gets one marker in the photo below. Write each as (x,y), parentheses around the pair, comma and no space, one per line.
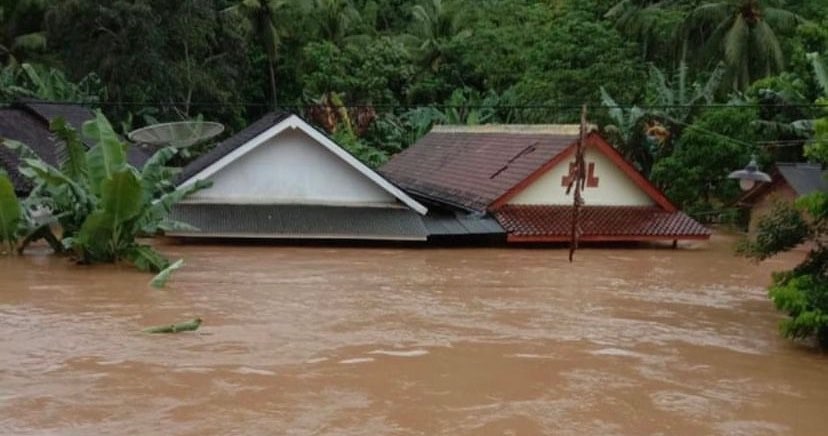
(606,238)
(245,201)
(295,236)
(294,122)
(608,150)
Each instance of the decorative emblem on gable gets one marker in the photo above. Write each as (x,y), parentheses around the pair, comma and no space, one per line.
(591,180)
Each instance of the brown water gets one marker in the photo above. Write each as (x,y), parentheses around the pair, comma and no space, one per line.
(309,340)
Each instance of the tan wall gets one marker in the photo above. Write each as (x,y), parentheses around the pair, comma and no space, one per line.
(614,187)
(781,192)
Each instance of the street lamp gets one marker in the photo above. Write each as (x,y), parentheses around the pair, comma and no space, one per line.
(749,176)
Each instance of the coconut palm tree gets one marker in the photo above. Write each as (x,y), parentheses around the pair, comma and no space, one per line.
(433,28)
(650,22)
(264,18)
(336,19)
(742,34)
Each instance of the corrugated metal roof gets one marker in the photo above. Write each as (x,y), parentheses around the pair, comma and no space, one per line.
(803,178)
(299,221)
(457,224)
(471,168)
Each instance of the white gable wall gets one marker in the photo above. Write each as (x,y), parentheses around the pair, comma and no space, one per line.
(292,168)
(614,187)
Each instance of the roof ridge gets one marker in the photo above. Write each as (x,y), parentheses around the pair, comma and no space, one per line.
(526,129)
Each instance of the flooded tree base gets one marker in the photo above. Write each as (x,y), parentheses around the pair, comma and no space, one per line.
(314,340)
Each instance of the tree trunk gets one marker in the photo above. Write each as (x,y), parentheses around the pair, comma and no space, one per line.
(272,84)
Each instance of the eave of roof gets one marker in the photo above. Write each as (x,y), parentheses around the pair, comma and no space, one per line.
(541,223)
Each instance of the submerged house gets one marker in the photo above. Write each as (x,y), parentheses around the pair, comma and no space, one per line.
(789,181)
(518,175)
(27,121)
(282,178)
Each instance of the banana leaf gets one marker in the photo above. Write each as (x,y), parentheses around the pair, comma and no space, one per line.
(154,217)
(155,176)
(10,213)
(146,258)
(184,326)
(168,225)
(73,156)
(21,149)
(107,156)
(160,280)
(93,241)
(121,196)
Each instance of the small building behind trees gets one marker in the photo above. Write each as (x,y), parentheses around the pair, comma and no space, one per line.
(789,181)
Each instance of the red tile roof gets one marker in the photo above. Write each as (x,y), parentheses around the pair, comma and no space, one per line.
(473,169)
(605,223)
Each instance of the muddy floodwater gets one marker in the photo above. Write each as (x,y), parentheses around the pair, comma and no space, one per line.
(318,340)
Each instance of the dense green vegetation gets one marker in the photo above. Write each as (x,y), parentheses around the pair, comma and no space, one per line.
(99,202)
(802,292)
(378,73)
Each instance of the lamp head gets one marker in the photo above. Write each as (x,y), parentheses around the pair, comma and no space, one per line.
(750,175)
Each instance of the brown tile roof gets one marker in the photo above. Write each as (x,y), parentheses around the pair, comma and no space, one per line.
(598,223)
(473,168)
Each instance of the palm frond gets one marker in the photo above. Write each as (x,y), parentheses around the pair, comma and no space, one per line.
(820,71)
(30,41)
(735,42)
(768,44)
(781,19)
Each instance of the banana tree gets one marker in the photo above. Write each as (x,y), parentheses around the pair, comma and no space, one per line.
(101,203)
(11,215)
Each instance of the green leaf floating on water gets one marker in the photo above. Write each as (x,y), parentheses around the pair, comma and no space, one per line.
(160,280)
(185,326)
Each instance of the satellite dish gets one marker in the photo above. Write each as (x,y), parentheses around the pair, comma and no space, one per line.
(181,134)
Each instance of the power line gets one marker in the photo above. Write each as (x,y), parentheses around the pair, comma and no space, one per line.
(564,106)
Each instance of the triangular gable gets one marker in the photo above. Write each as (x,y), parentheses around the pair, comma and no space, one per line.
(294,123)
(617,160)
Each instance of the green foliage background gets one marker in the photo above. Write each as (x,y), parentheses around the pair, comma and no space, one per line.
(726,78)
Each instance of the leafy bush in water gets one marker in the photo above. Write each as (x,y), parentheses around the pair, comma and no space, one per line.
(11,215)
(802,293)
(100,201)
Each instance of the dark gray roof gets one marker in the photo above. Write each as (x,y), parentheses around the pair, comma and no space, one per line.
(299,221)
(28,122)
(231,143)
(73,114)
(460,224)
(803,178)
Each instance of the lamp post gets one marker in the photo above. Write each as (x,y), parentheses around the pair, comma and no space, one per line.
(750,175)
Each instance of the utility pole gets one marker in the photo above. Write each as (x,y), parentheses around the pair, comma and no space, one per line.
(578,180)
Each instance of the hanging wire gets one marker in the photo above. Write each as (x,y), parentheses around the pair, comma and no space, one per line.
(562,106)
